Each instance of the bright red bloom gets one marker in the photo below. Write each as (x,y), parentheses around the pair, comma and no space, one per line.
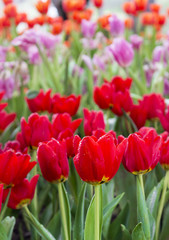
(164,119)
(130,8)
(57,28)
(92,121)
(20,17)
(61,122)
(98,3)
(97,161)
(153,104)
(10,11)
(154,7)
(161,19)
(69,104)
(73,5)
(78,16)
(42,6)
(41,103)
(1,194)
(38,129)
(22,194)
(6,119)
(2,105)
(53,161)
(140,5)
(142,152)
(31,23)
(164,159)
(14,145)
(129,23)
(114,95)
(6,2)
(4,22)
(148,18)
(104,21)
(14,168)
(138,115)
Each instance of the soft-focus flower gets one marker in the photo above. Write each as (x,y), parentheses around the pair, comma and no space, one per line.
(10,11)
(53,161)
(116,26)
(38,129)
(114,95)
(164,118)
(7,83)
(57,28)
(142,152)
(88,28)
(3,52)
(2,105)
(42,6)
(136,41)
(122,51)
(22,194)
(20,17)
(93,120)
(140,5)
(6,119)
(41,103)
(66,104)
(160,54)
(98,3)
(6,2)
(164,159)
(97,161)
(130,8)
(129,23)
(148,18)
(14,168)
(103,21)
(1,194)
(154,7)
(73,5)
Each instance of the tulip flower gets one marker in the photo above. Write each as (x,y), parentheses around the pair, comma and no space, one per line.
(38,129)
(1,194)
(164,159)
(139,115)
(22,194)
(98,3)
(154,7)
(142,151)
(116,26)
(136,41)
(14,168)
(6,119)
(164,119)
(69,104)
(10,11)
(92,121)
(88,28)
(42,6)
(6,2)
(97,161)
(130,8)
(73,5)
(122,51)
(114,95)
(53,161)
(42,102)
(140,5)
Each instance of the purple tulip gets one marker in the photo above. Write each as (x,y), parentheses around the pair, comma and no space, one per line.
(122,51)
(159,54)
(116,26)
(166,85)
(88,28)
(7,84)
(136,41)
(3,51)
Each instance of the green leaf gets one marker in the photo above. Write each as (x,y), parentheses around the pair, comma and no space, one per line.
(126,234)
(79,217)
(115,231)
(153,199)
(107,211)
(3,234)
(138,233)
(54,225)
(165,231)
(9,223)
(89,232)
(32,94)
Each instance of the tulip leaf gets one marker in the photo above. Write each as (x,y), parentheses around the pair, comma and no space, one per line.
(79,217)
(89,232)
(31,94)
(54,225)
(107,211)
(8,224)
(126,234)
(153,199)
(115,231)
(165,231)
(3,232)
(138,233)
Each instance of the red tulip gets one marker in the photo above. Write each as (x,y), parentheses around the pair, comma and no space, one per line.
(6,119)
(164,119)
(92,121)
(38,129)
(142,152)
(42,6)
(164,159)
(53,161)
(97,161)
(2,105)
(6,2)
(57,28)
(139,115)
(22,194)
(154,7)
(130,8)
(98,3)
(114,95)
(69,104)
(73,5)
(14,145)
(1,194)
(14,168)
(20,17)
(10,11)
(140,5)
(41,103)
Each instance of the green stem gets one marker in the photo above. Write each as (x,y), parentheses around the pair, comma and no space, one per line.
(140,176)
(161,206)
(130,121)
(5,206)
(63,213)
(97,211)
(40,228)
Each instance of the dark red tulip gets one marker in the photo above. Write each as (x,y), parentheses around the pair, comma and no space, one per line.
(164,159)
(53,161)
(139,115)
(1,194)
(6,119)
(97,161)
(142,152)
(164,119)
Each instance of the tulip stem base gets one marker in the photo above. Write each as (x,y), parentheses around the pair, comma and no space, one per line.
(161,206)
(97,211)
(63,211)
